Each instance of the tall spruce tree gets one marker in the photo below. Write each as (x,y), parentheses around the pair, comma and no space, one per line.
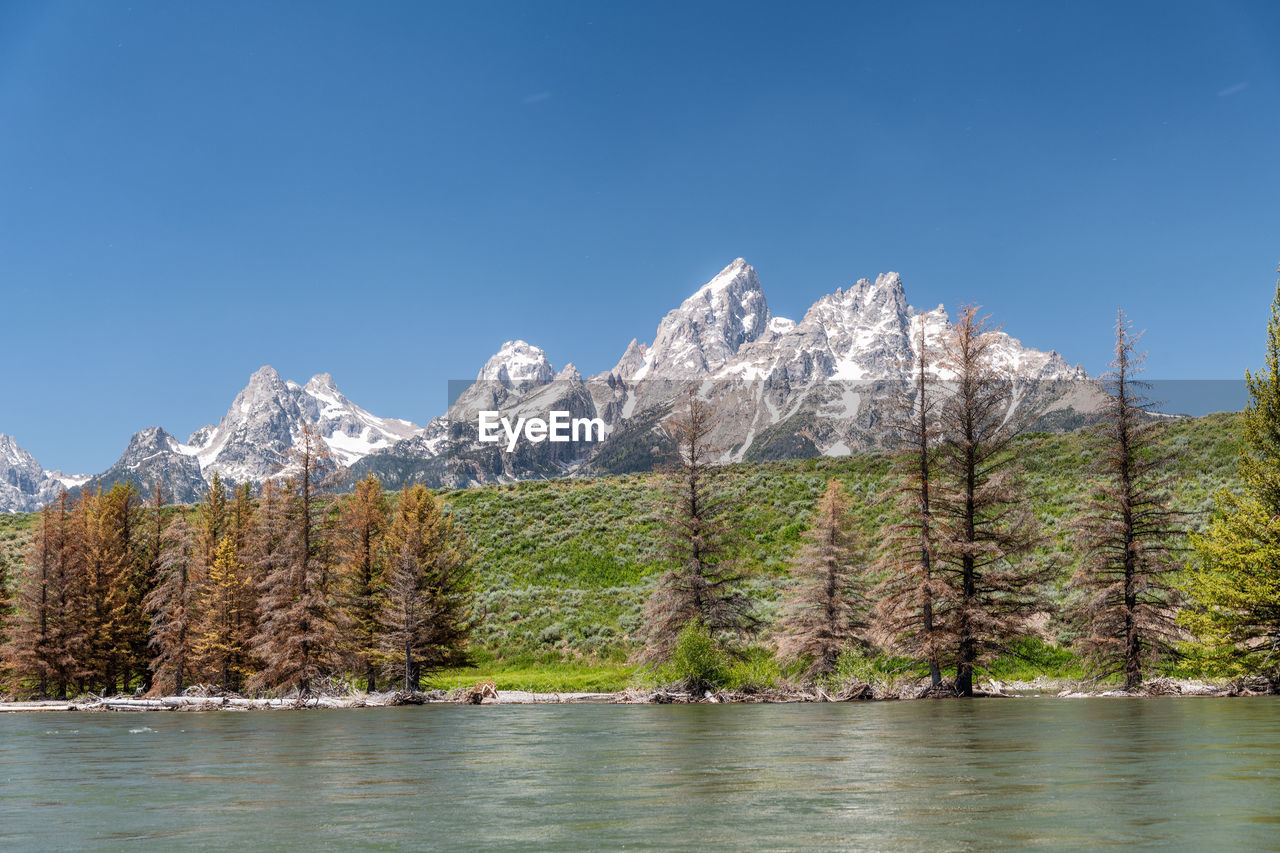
(1234,586)
(362,522)
(1127,532)
(702,584)
(913,599)
(223,633)
(826,609)
(426,610)
(986,532)
(29,652)
(298,637)
(172,607)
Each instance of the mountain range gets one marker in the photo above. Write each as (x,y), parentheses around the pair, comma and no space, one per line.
(779,388)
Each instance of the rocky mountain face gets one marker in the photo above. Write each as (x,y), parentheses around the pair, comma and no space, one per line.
(779,388)
(154,456)
(249,444)
(253,438)
(24,485)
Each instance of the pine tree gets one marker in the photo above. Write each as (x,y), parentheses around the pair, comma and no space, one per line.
(1127,531)
(28,652)
(101,534)
(172,606)
(152,552)
(426,610)
(299,630)
(986,532)
(1235,584)
(702,584)
(214,519)
(223,635)
(362,522)
(826,611)
(912,601)
(48,648)
(242,533)
(122,533)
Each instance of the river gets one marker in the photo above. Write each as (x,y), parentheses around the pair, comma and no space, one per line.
(926,775)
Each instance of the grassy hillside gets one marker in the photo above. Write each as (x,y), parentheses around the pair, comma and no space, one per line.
(564,566)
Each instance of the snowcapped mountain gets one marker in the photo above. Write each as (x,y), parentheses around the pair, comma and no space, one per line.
(154,456)
(251,441)
(703,335)
(779,389)
(24,485)
(249,444)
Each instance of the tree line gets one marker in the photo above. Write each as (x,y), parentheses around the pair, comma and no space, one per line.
(274,591)
(281,589)
(957,574)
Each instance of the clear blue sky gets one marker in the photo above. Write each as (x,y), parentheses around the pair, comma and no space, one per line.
(387,192)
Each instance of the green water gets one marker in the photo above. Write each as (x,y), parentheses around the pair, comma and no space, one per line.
(1020,773)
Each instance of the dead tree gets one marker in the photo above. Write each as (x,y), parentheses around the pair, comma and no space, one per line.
(1127,531)
(298,638)
(826,610)
(986,532)
(701,585)
(913,600)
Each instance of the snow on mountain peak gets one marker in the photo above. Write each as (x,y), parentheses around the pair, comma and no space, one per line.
(518,366)
(266,418)
(321,383)
(632,360)
(24,485)
(709,327)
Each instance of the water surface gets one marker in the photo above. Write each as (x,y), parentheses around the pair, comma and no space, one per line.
(944,775)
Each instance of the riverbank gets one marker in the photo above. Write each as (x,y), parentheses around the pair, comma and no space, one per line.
(486,693)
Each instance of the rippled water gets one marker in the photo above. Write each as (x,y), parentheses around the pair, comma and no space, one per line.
(1022,773)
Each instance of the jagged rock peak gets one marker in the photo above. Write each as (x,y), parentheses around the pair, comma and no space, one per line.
(632,360)
(322,383)
(152,438)
(517,365)
(13,454)
(709,327)
(265,377)
(569,373)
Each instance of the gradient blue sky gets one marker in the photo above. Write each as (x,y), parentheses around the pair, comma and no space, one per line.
(387,192)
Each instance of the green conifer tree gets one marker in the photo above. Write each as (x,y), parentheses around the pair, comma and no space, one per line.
(1235,584)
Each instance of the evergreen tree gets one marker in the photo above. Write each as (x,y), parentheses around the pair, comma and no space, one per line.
(172,606)
(426,610)
(362,521)
(223,632)
(912,601)
(214,519)
(299,627)
(826,608)
(48,648)
(240,518)
(1127,530)
(702,584)
(986,531)
(152,552)
(1235,585)
(122,535)
(102,526)
(29,651)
